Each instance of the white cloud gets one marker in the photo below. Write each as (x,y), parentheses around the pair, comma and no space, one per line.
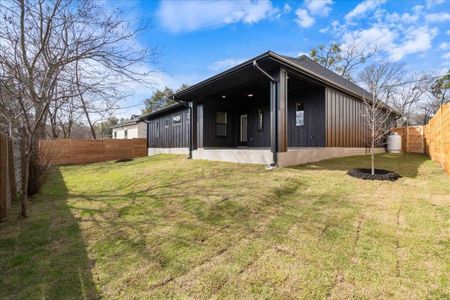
(374,37)
(397,44)
(221,65)
(431,3)
(438,17)
(362,8)
(319,8)
(418,40)
(444,46)
(446,55)
(324,30)
(448,32)
(303,18)
(287,8)
(189,15)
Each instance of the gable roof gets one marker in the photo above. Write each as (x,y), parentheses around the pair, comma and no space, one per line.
(307,63)
(171,107)
(127,123)
(302,64)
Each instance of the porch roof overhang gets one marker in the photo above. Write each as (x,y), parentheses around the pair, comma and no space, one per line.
(270,62)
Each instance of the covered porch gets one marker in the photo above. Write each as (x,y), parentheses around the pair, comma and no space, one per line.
(254,112)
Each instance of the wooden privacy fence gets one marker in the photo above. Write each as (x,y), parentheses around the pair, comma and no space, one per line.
(70,151)
(437,137)
(10,172)
(432,139)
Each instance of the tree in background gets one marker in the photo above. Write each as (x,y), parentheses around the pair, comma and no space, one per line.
(380,79)
(161,99)
(42,43)
(408,96)
(344,59)
(103,128)
(439,91)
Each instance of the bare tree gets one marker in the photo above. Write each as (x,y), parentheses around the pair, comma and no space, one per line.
(409,95)
(380,79)
(40,43)
(343,59)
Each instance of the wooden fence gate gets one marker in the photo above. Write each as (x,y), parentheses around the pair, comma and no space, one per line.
(432,139)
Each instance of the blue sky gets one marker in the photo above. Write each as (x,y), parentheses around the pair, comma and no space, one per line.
(197,39)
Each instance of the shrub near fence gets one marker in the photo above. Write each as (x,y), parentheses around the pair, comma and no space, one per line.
(10,172)
(70,151)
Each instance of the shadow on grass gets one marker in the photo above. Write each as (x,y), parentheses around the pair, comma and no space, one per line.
(405,164)
(44,256)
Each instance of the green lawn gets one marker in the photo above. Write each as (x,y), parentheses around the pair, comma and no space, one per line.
(169,227)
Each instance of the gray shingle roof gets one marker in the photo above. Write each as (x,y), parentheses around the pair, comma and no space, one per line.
(307,63)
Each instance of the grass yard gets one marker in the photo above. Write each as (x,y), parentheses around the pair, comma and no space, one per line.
(169,227)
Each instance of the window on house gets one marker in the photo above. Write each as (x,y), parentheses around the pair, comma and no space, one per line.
(221,123)
(157,129)
(300,113)
(115,134)
(176,120)
(126,133)
(260,120)
(166,125)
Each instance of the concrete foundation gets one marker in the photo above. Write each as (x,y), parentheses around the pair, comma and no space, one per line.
(293,157)
(298,156)
(154,151)
(248,155)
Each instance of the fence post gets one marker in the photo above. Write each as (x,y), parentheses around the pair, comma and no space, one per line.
(3,177)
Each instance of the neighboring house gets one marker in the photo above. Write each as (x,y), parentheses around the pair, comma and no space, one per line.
(132,129)
(271,109)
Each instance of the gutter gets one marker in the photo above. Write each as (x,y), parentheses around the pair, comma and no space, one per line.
(275,116)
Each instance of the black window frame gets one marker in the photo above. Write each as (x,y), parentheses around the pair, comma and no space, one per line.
(260,119)
(178,123)
(223,125)
(300,103)
(166,123)
(125,133)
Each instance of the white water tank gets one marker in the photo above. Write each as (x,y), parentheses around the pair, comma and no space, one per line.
(394,143)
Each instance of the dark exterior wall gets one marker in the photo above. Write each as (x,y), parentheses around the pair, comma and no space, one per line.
(345,125)
(171,137)
(234,109)
(312,134)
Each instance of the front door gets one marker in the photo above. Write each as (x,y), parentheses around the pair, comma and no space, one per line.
(243,131)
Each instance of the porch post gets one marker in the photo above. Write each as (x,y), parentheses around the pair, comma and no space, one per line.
(273,119)
(282,108)
(191,128)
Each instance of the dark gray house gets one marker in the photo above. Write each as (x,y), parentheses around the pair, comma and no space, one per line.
(271,109)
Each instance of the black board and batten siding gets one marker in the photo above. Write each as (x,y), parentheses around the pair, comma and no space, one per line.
(312,133)
(344,120)
(164,133)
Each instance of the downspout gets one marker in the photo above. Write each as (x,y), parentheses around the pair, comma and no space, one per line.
(191,126)
(148,132)
(273,81)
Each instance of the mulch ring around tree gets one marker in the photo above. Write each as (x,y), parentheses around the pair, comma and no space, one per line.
(123,160)
(380,174)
